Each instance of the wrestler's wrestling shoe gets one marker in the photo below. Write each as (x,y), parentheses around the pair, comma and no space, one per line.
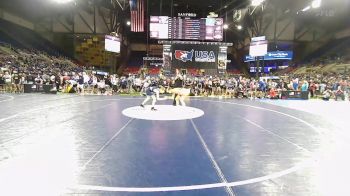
(142,106)
(153,109)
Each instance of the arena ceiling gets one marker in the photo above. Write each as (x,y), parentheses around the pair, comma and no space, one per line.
(334,14)
(36,9)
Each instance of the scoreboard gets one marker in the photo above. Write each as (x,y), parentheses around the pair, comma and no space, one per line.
(164,27)
(112,44)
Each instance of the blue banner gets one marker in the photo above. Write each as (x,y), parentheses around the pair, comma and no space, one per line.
(287,55)
(276,55)
(249,58)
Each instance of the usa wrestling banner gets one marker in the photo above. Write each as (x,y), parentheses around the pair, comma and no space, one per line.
(194,56)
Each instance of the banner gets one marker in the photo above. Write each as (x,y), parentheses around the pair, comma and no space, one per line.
(195,56)
(288,55)
(275,55)
(222,58)
(256,39)
(249,58)
(167,56)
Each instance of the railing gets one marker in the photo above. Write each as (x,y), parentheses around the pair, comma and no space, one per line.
(292,94)
(11,88)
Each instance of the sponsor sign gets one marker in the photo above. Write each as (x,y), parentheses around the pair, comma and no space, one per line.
(195,56)
(288,55)
(222,58)
(275,55)
(256,39)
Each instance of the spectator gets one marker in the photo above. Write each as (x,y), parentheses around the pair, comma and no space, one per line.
(8,81)
(38,82)
(339,94)
(16,81)
(327,95)
(2,82)
(312,88)
(305,86)
(295,84)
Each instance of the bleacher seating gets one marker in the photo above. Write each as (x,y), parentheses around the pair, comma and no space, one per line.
(132,70)
(92,52)
(234,71)
(21,37)
(336,46)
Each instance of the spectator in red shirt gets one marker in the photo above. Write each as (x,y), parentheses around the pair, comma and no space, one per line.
(312,88)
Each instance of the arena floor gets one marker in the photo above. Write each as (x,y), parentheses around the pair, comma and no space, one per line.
(85,145)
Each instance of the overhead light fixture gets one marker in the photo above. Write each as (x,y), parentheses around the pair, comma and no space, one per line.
(239,27)
(306,9)
(225,26)
(128,23)
(257,2)
(62,1)
(316,3)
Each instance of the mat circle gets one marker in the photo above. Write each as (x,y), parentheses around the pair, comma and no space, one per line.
(163,112)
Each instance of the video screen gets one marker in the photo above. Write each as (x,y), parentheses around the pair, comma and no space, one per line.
(258,48)
(112,44)
(164,27)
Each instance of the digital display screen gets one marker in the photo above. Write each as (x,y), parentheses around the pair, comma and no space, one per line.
(159,27)
(258,48)
(164,27)
(112,44)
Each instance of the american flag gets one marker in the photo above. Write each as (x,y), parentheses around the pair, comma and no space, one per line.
(137,10)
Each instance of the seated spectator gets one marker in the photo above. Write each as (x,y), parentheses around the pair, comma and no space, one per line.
(327,95)
(273,94)
(102,86)
(339,94)
(71,86)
